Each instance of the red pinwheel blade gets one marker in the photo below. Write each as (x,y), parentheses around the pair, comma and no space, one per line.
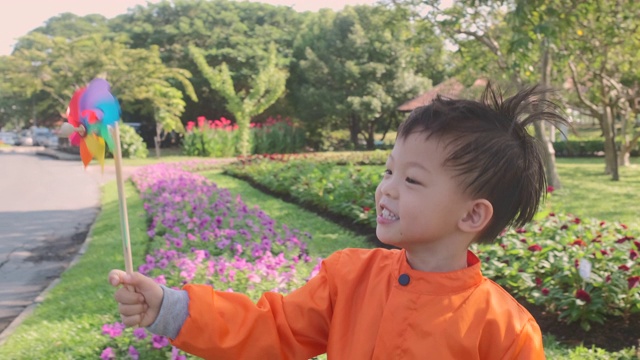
(73,111)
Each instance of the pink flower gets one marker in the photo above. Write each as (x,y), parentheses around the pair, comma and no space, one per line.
(633,281)
(550,189)
(633,254)
(583,295)
(538,281)
(113,330)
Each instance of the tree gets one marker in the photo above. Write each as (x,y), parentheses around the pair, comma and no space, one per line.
(514,44)
(232,32)
(52,68)
(603,62)
(244,103)
(353,68)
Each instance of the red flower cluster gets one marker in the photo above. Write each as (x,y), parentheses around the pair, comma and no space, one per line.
(583,295)
(578,242)
(633,281)
(534,248)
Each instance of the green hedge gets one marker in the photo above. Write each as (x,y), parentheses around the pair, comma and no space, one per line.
(583,148)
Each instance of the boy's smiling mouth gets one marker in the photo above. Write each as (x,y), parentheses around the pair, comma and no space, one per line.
(386,215)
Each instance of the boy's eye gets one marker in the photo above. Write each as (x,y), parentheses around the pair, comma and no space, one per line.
(411,181)
(388,172)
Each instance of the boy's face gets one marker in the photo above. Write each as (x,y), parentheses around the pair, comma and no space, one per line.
(418,201)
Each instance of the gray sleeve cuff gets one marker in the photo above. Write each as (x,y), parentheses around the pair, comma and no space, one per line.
(173,312)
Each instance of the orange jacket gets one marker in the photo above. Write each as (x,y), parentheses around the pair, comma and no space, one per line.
(365,304)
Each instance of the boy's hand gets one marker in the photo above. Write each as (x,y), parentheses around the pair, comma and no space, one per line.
(138,300)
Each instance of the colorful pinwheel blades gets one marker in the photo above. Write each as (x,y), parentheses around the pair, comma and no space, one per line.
(92,110)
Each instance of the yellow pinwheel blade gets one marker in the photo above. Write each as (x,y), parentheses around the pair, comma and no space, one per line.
(96,147)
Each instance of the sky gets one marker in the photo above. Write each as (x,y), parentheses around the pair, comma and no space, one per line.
(23,16)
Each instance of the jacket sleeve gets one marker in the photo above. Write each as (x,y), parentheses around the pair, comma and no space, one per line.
(528,344)
(226,325)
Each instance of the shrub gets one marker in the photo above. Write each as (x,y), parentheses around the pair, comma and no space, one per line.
(584,148)
(277,135)
(216,138)
(131,144)
(219,138)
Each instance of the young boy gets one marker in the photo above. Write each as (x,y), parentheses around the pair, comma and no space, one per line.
(460,172)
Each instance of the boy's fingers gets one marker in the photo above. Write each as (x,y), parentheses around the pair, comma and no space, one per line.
(130,310)
(127,296)
(116,277)
(132,320)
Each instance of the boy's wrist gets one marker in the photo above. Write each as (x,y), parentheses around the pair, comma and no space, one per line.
(174,309)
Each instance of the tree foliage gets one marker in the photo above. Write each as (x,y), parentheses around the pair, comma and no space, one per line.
(245,102)
(356,66)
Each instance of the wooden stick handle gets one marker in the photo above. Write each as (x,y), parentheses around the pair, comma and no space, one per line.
(124,219)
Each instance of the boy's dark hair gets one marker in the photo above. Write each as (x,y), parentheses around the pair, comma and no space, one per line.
(490,149)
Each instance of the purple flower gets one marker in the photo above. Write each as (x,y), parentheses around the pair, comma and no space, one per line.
(175,355)
(133,353)
(140,333)
(107,354)
(159,342)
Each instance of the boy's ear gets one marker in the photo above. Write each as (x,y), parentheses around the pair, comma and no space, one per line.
(478,216)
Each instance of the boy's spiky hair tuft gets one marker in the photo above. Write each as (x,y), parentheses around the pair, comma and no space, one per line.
(490,149)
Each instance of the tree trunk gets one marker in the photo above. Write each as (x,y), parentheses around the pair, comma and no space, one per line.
(244,145)
(354,130)
(371,135)
(157,139)
(548,152)
(610,153)
(627,142)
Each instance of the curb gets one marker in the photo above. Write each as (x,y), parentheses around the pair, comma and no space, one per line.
(58,154)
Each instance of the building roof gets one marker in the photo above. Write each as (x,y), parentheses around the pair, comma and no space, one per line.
(451,88)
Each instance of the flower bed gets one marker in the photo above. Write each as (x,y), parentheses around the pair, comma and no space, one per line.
(582,270)
(344,191)
(537,264)
(201,234)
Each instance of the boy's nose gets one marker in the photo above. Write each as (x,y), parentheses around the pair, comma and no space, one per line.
(388,188)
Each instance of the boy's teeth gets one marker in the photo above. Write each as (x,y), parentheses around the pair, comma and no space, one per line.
(389,215)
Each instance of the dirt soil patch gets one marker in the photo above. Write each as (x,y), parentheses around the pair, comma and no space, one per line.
(614,335)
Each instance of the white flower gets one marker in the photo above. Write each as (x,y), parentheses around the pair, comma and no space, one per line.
(584,269)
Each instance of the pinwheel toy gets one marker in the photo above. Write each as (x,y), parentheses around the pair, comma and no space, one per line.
(93,117)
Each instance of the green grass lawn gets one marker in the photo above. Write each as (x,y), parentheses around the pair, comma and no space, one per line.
(67,325)
(588,192)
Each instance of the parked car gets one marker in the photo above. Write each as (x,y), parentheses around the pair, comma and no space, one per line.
(51,141)
(8,138)
(25,138)
(40,135)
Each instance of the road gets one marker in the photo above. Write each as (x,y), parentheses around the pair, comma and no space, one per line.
(46,209)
